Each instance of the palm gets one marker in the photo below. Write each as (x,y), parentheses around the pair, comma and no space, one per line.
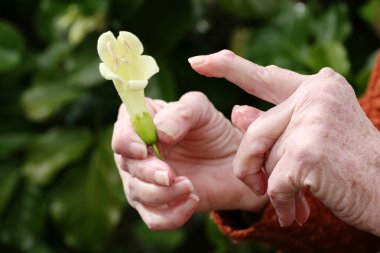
(205,156)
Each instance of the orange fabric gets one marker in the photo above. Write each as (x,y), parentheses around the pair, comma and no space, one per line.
(323,232)
(371,100)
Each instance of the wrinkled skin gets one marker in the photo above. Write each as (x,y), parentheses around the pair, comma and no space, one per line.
(316,137)
(198,145)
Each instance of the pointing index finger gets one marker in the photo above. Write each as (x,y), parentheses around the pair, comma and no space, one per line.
(270,83)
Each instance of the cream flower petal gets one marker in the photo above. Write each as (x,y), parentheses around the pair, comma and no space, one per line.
(107,73)
(107,48)
(136,85)
(130,42)
(146,67)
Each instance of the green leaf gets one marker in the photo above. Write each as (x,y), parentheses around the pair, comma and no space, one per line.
(162,85)
(160,37)
(87,75)
(299,39)
(333,25)
(11,142)
(249,9)
(162,241)
(24,221)
(370,12)
(333,55)
(282,42)
(9,177)
(44,100)
(216,237)
(45,21)
(86,205)
(53,56)
(52,151)
(363,76)
(11,47)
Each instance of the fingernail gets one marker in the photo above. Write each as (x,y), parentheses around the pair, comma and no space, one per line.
(257,189)
(137,149)
(236,107)
(197,60)
(298,222)
(194,197)
(191,202)
(169,127)
(281,223)
(255,183)
(162,177)
(184,186)
(185,113)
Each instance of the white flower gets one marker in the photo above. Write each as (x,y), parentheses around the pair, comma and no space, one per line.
(124,64)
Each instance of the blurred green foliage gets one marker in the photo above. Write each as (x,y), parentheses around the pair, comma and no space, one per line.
(59,188)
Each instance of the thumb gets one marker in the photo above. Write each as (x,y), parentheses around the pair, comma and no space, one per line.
(243,115)
(174,121)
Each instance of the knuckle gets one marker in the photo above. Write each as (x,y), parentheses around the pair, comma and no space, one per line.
(238,173)
(195,96)
(271,68)
(327,72)
(226,55)
(224,60)
(184,111)
(120,138)
(308,152)
(115,142)
(266,72)
(123,164)
(257,147)
(132,191)
(241,169)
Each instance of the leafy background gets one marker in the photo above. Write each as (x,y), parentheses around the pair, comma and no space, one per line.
(59,189)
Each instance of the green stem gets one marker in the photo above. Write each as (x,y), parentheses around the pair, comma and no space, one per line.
(157,152)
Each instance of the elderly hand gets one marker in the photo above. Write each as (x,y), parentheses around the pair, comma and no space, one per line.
(198,145)
(317,137)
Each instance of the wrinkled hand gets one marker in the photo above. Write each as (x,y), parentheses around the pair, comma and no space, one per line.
(198,145)
(317,137)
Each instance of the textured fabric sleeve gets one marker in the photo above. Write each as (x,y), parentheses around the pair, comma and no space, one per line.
(323,232)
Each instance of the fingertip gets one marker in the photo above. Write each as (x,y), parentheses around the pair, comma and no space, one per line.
(256,182)
(197,60)
(190,205)
(284,205)
(138,150)
(122,112)
(173,122)
(243,116)
(302,209)
(194,197)
(162,178)
(285,221)
(126,142)
(212,65)
(172,216)
(167,130)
